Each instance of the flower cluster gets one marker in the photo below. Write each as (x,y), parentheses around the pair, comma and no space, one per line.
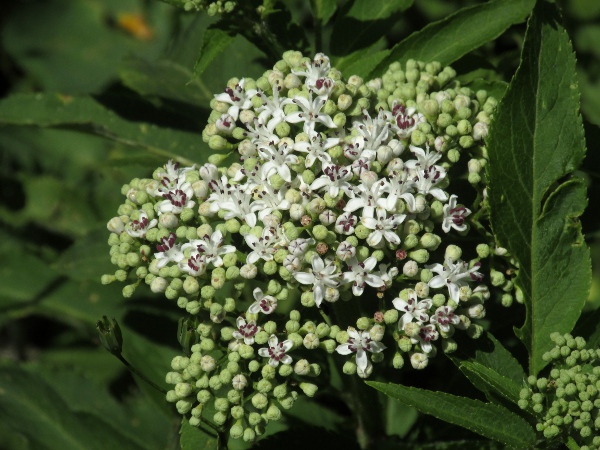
(567,402)
(321,191)
(211,8)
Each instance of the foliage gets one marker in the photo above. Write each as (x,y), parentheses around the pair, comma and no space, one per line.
(97,93)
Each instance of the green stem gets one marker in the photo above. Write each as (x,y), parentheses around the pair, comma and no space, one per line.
(140,374)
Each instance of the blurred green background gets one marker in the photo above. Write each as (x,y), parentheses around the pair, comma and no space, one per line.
(128,64)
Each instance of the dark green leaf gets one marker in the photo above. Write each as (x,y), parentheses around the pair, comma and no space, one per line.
(193,438)
(53,110)
(491,382)
(486,419)
(24,275)
(33,408)
(76,46)
(535,141)
(364,24)
(87,259)
(164,79)
(323,9)
(456,35)
(366,10)
(361,62)
(296,438)
(214,42)
(75,302)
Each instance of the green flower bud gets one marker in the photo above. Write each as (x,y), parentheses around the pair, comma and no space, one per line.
(309,389)
(246,351)
(329,345)
(390,316)
(110,335)
(285,370)
(259,401)
(496,278)
(405,344)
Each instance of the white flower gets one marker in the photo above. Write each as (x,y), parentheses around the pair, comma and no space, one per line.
(334,178)
(211,248)
(323,275)
(425,159)
(345,223)
(345,251)
(444,317)
(299,246)
(264,303)
(245,331)
(237,98)
(453,276)
(177,199)
(387,276)
(272,107)
(315,149)
(310,113)
(360,342)
(454,216)
(399,186)
(139,227)
(315,71)
(168,251)
(195,265)
(412,309)
(406,120)
(427,334)
(383,228)
(276,352)
(262,247)
(277,160)
(426,180)
(360,275)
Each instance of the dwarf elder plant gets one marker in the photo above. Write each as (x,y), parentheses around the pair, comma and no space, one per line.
(330,229)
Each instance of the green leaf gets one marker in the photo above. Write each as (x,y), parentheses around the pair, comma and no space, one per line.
(365,23)
(535,141)
(456,35)
(87,114)
(76,46)
(323,9)
(164,79)
(490,381)
(193,438)
(361,62)
(486,419)
(214,42)
(33,408)
(489,352)
(88,258)
(366,10)
(24,275)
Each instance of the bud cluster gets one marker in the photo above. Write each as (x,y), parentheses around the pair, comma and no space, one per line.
(567,402)
(211,8)
(321,191)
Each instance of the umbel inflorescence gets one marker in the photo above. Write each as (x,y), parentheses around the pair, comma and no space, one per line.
(324,223)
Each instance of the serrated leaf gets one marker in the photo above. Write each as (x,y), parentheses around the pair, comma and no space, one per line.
(33,408)
(323,9)
(193,438)
(86,114)
(214,42)
(487,419)
(456,35)
(489,352)
(490,381)
(536,140)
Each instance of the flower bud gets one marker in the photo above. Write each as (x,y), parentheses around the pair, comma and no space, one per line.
(309,389)
(410,268)
(110,336)
(311,341)
(419,361)
(302,367)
